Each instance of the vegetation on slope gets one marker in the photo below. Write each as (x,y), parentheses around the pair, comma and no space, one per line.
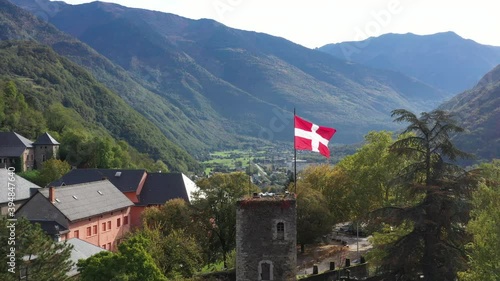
(70,99)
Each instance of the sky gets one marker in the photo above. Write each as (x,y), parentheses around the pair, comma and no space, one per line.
(314,23)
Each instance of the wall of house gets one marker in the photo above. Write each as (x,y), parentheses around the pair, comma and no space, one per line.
(45,152)
(132,196)
(4,207)
(106,230)
(28,159)
(135,215)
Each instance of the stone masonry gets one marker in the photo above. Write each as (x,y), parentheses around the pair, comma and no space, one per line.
(266,238)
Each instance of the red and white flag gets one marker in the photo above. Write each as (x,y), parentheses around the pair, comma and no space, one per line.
(309,136)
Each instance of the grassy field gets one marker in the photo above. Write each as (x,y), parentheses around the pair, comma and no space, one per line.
(232,159)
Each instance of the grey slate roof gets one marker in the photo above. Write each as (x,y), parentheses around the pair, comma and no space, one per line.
(127,181)
(22,187)
(86,200)
(161,187)
(45,139)
(13,144)
(81,250)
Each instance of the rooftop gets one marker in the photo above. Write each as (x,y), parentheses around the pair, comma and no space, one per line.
(45,139)
(125,180)
(161,187)
(23,187)
(86,200)
(13,144)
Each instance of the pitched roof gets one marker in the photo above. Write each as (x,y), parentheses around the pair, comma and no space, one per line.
(161,187)
(45,139)
(22,187)
(86,200)
(124,180)
(81,250)
(13,144)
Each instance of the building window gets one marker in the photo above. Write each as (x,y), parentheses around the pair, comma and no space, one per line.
(109,224)
(104,246)
(118,222)
(76,234)
(125,220)
(95,229)
(89,231)
(280,231)
(103,226)
(109,246)
(265,270)
(44,157)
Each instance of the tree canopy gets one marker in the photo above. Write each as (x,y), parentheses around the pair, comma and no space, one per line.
(484,262)
(434,245)
(36,254)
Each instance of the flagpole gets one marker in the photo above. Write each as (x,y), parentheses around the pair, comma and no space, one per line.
(294,154)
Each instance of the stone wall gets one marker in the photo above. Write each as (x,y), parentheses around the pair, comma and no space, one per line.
(356,272)
(266,238)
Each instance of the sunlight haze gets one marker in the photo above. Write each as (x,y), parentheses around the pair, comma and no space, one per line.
(333,21)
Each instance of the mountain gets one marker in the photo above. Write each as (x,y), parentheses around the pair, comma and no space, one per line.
(238,84)
(68,84)
(443,60)
(479,112)
(173,123)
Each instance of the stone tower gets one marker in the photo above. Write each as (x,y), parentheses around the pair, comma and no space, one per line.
(266,238)
(45,147)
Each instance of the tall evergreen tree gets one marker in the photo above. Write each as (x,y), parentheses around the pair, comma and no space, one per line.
(433,248)
(36,255)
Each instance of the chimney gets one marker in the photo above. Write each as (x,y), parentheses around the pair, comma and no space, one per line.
(52,194)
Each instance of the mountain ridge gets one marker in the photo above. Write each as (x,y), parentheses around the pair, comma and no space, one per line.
(437,59)
(242,78)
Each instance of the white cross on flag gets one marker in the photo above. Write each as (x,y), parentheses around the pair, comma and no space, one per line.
(309,136)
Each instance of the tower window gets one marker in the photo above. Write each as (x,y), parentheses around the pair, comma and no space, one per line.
(44,158)
(280,231)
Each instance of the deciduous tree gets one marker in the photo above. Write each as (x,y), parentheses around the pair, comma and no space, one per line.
(484,261)
(216,204)
(313,216)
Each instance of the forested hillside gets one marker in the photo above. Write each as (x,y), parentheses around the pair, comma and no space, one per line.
(479,112)
(17,24)
(44,91)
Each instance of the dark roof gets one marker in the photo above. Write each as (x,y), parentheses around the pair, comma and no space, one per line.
(161,187)
(45,139)
(23,187)
(124,180)
(86,200)
(51,227)
(13,144)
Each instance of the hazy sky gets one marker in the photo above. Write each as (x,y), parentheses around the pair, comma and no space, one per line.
(315,23)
